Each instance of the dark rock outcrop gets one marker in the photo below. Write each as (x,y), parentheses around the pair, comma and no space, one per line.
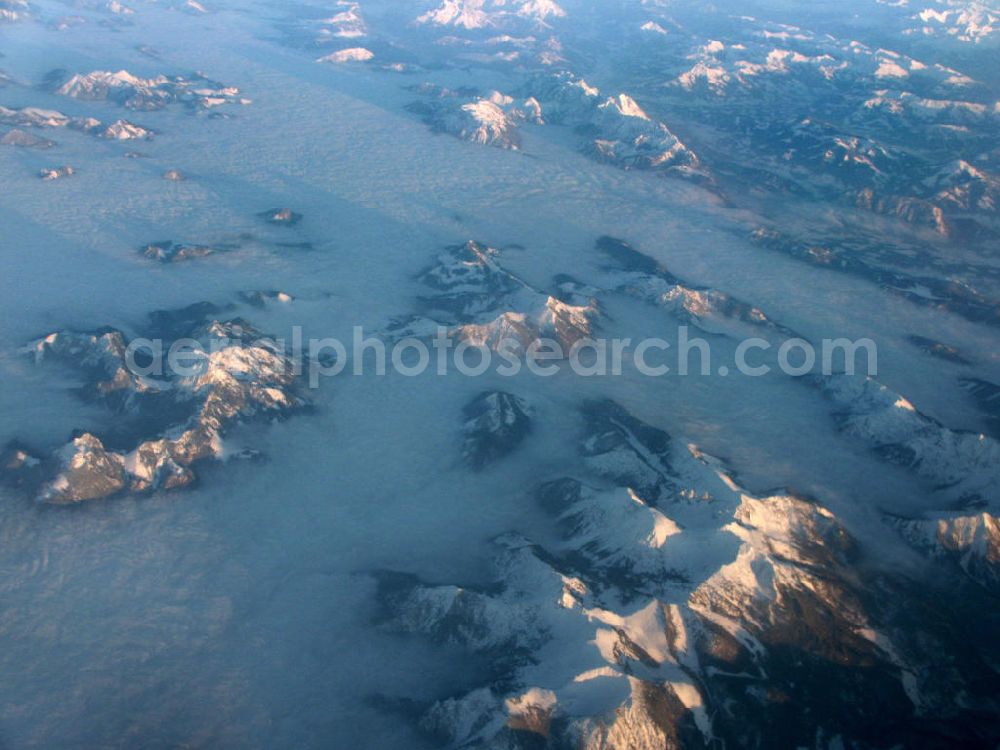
(496,423)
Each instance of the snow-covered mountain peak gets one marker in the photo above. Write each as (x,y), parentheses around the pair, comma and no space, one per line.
(482,14)
(237,375)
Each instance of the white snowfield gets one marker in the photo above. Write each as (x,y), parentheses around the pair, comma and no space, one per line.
(351,54)
(481,14)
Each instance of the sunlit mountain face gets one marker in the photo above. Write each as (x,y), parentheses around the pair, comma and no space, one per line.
(501,374)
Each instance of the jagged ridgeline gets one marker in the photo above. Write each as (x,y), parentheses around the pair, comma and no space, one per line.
(166,421)
(478,300)
(679,610)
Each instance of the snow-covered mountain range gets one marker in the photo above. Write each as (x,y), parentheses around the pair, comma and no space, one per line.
(275,548)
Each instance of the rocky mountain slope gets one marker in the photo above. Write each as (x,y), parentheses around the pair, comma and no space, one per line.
(178,415)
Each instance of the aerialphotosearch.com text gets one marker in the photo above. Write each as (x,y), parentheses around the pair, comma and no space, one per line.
(444,352)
